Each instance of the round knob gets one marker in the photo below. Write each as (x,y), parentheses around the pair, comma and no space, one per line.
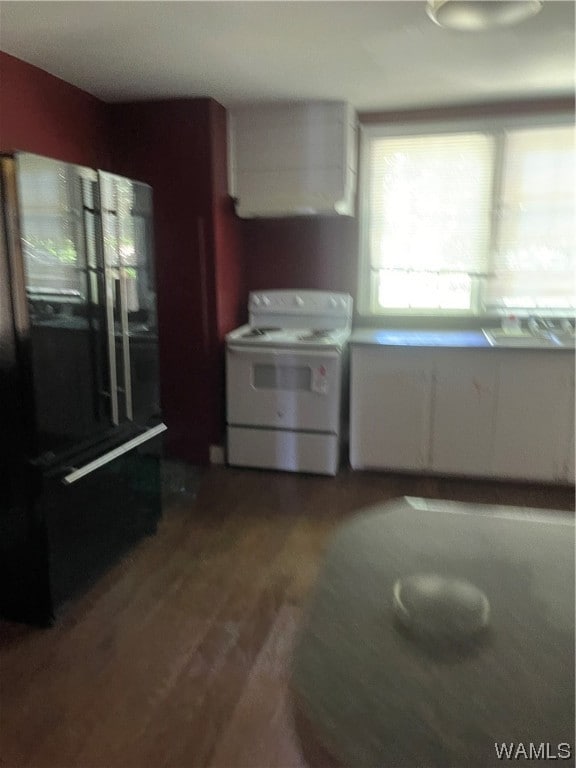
(256,301)
(298,301)
(266,301)
(342,302)
(332,302)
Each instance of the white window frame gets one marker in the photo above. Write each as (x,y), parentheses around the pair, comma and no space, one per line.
(366,301)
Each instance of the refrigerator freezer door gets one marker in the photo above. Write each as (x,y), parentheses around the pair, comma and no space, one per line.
(95,464)
(54,549)
(92,522)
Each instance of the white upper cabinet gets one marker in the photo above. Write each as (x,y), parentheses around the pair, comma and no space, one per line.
(293,159)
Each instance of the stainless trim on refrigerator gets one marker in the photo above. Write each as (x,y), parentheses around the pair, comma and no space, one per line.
(109,289)
(109,284)
(93,282)
(106,458)
(15,256)
(125,343)
(123,297)
(7,335)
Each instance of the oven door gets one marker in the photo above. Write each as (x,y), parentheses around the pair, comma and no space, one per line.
(283,388)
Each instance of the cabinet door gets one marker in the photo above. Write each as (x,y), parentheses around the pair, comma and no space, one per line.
(464,387)
(569,470)
(533,415)
(390,408)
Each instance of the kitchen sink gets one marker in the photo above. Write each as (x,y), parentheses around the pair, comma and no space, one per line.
(524,339)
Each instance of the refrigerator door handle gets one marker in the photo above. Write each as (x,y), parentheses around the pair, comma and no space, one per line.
(106,458)
(109,294)
(125,343)
(109,284)
(93,290)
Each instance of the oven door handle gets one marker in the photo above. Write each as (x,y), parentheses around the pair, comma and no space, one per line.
(253,352)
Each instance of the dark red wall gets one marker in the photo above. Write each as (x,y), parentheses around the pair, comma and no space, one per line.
(314,253)
(179,148)
(43,114)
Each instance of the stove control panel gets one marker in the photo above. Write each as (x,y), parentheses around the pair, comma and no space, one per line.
(321,310)
(307,301)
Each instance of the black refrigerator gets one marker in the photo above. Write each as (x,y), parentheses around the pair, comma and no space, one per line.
(81,427)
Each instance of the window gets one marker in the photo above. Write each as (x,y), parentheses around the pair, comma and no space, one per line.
(461,221)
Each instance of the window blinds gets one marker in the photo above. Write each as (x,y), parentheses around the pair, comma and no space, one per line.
(535,256)
(430,202)
(492,208)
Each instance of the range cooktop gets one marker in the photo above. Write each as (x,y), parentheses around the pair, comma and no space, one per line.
(289,337)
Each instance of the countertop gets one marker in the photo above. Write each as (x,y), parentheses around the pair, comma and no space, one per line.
(464,339)
(375,697)
(418,338)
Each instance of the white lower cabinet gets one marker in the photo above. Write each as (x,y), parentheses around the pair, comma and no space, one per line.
(390,399)
(464,388)
(569,467)
(570,471)
(533,415)
(477,412)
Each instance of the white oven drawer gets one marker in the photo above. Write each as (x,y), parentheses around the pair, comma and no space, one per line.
(288,451)
(283,388)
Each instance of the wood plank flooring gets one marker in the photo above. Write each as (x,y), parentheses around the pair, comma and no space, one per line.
(179,656)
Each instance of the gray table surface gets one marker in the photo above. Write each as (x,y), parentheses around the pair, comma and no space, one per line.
(375,697)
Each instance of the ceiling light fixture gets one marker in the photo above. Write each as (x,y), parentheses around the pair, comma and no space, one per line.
(476,15)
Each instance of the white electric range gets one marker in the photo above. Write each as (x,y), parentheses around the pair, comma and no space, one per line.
(286,374)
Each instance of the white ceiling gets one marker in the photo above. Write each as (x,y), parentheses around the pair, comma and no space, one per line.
(376,55)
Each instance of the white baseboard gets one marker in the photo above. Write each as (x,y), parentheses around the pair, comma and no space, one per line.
(216,454)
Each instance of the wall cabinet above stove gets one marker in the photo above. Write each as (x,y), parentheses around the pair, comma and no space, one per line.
(293,159)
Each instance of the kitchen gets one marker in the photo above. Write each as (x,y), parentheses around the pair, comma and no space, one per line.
(175,139)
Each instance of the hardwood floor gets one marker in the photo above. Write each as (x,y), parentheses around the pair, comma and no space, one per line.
(179,656)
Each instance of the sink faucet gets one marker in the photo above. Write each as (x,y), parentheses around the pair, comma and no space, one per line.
(539,325)
(545,326)
(535,324)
